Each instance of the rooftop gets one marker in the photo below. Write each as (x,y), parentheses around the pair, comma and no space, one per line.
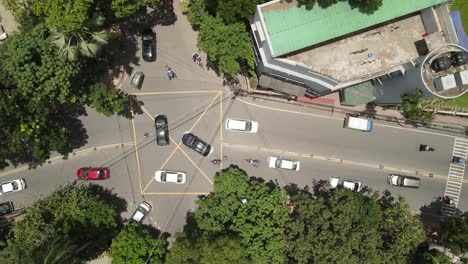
(370,52)
(291,28)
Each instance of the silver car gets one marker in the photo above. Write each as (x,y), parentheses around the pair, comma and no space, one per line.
(141,212)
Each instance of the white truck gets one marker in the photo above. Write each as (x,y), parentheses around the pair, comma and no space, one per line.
(358,123)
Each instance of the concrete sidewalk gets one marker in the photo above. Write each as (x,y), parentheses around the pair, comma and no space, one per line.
(7,21)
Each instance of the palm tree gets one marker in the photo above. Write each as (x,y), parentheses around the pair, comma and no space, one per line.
(86,42)
(59,250)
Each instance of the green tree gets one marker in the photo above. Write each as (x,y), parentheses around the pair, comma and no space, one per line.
(134,245)
(432,256)
(237,11)
(227,45)
(70,225)
(197,12)
(129,8)
(78,213)
(401,232)
(339,226)
(412,110)
(225,249)
(366,6)
(62,14)
(249,208)
(107,101)
(86,41)
(309,4)
(455,233)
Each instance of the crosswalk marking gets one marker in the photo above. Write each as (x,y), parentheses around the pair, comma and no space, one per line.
(455,177)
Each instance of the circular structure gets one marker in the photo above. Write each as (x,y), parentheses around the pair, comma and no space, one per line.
(445,71)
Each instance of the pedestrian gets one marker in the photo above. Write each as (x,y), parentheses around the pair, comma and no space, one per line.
(146,134)
(170,72)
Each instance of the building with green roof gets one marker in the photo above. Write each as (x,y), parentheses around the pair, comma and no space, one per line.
(292,44)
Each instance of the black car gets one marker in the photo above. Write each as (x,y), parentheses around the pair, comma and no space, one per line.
(149,45)
(6,208)
(193,142)
(162,130)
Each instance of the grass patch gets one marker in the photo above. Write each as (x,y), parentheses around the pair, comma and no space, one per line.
(460,101)
(461,5)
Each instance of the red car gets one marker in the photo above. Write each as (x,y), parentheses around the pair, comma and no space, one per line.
(92,173)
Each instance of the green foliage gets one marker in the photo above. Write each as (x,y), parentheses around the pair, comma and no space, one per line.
(62,14)
(432,256)
(228,45)
(338,227)
(401,232)
(39,74)
(341,226)
(366,6)
(455,233)
(225,249)
(411,109)
(197,12)
(309,4)
(129,8)
(236,11)
(134,245)
(52,229)
(107,101)
(86,41)
(258,221)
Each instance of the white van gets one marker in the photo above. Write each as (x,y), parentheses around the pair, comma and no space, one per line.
(241,125)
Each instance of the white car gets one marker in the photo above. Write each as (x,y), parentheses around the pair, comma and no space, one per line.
(241,125)
(346,183)
(141,212)
(12,186)
(170,176)
(280,163)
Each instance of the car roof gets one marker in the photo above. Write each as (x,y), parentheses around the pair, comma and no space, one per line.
(287,163)
(172,176)
(7,186)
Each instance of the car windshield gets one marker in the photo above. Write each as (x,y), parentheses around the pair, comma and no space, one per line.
(101,174)
(248,126)
(15,185)
(163,176)
(179,177)
(85,174)
(400,180)
(4,208)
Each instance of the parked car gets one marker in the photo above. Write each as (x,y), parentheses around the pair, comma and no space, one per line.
(89,173)
(6,208)
(280,163)
(148,45)
(162,130)
(346,183)
(12,186)
(170,176)
(460,58)
(441,64)
(195,143)
(402,180)
(137,80)
(141,212)
(242,125)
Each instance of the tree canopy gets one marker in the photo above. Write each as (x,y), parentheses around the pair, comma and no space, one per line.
(134,245)
(455,233)
(251,209)
(223,249)
(40,93)
(227,45)
(70,218)
(342,226)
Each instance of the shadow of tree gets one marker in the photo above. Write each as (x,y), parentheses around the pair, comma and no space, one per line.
(69,118)
(191,226)
(133,105)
